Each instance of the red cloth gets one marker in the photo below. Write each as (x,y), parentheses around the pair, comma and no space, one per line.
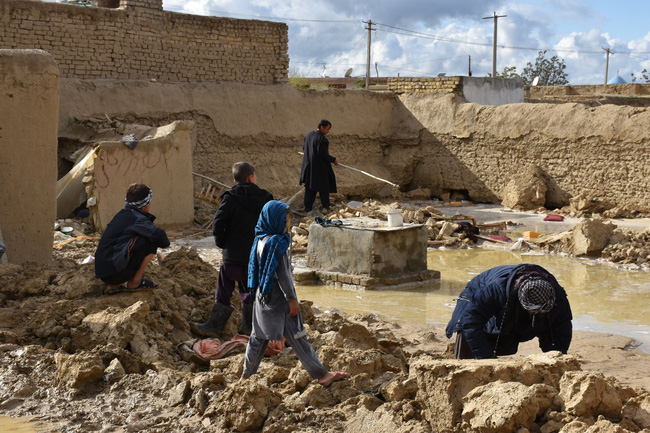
(554,217)
(213,349)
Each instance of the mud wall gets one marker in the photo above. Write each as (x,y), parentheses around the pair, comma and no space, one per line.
(141,41)
(29,109)
(164,162)
(632,89)
(603,152)
(427,141)
(264,125)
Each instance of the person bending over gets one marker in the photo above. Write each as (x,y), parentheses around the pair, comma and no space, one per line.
(507,305)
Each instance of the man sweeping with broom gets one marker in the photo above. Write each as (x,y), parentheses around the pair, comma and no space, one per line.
(316,173)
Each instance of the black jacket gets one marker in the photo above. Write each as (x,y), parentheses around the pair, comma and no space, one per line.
(488,308)
(316,171)
(234,223)
(111,256)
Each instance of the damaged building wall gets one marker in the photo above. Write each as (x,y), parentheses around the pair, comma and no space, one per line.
(264,125)
(163,162)
(425,141)
(602,152)
(140,40)
(29,110)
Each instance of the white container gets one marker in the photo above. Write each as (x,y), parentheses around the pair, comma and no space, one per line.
(395,218)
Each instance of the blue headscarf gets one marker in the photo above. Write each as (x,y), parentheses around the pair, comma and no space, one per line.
(272,221)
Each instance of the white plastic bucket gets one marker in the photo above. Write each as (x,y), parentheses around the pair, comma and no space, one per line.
(395,218)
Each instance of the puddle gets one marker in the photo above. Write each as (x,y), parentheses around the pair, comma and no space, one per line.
(17,425)
(603,298)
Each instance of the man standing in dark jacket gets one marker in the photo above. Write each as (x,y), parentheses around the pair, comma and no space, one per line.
(316,172)
(129,243)
(233,228)
(506,305)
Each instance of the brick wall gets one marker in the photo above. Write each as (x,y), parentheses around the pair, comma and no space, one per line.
(425,85)
(139,40)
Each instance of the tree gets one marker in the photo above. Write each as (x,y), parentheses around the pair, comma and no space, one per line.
(550,71)
(298,80)
(508,72)
(644,78)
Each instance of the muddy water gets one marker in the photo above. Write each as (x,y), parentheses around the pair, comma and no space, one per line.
(14,425)
(603,298)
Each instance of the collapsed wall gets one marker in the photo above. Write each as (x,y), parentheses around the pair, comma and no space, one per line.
(416,141)
(141,41)
(29,109)
(163,161)
(602,152)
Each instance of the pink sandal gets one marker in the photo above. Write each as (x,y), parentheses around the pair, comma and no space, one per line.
(336,376)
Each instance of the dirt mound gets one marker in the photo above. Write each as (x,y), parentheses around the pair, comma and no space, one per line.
(87,361)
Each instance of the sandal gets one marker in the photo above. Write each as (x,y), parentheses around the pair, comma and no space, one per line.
(336,376)
(114,290)
(144,285)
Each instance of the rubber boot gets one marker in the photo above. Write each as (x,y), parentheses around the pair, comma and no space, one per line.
(216,322)
(246,320)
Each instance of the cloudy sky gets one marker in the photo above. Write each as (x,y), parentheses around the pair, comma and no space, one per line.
(426,37)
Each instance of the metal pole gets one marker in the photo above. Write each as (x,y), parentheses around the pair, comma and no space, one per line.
(494,42)
(368,55)
(606,64)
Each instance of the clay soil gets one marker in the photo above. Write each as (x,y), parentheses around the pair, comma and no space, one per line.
(84,361)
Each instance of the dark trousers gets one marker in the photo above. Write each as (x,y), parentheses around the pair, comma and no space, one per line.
(461,348)
(310,197)
(141,249)
(506,346)
(229,274)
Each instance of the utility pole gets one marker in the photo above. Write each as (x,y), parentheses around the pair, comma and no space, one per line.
(494,42)
(607,63)
(369,28)
(469,66)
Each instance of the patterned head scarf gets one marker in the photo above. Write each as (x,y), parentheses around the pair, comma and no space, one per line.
(272,222)
(141,204)
(536,294)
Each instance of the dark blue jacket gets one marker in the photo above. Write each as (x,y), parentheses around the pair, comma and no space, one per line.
(234,223)
(111,256)
(489,313)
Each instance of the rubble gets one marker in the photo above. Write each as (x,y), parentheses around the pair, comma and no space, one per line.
(65,347)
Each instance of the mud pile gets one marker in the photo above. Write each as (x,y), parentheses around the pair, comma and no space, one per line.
(89,362)
(595,237)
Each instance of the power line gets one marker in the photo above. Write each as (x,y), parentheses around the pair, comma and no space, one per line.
(413,33)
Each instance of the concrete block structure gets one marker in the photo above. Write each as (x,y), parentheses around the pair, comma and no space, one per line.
(29,114)
(368,254)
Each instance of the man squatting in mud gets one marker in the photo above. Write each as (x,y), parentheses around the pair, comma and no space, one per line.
(233,228)
(316,171)
(276,312)
(506,305)
(129,243)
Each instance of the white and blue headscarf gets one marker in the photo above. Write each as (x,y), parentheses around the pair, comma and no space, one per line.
(140,204)
(272,222)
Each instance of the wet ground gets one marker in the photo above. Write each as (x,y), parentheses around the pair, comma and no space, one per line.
(603,298)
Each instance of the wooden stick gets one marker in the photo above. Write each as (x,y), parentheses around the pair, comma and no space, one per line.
(212,180)
(394,185)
